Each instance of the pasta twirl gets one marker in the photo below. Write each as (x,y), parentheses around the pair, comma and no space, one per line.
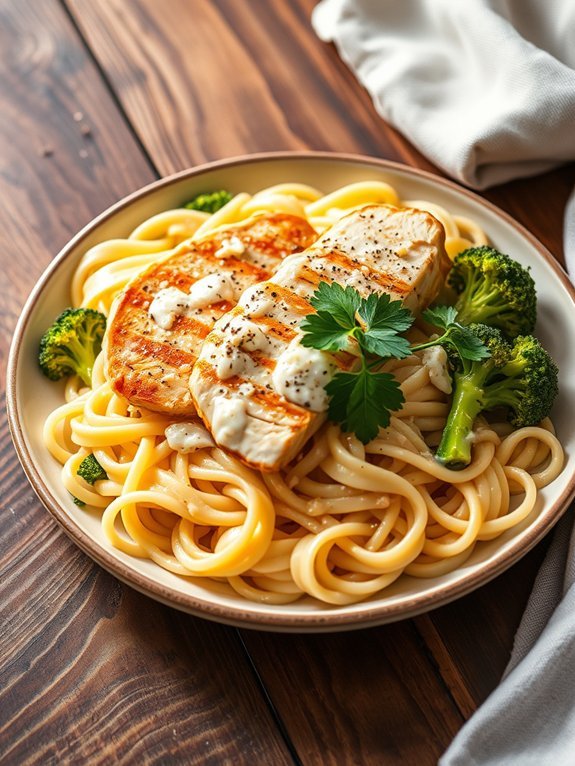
(341,522)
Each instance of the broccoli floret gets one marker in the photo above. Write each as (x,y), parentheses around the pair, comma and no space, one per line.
(495,290)
(71,344)
(90,470)
(209,202)
(527,383)
(78,502)
(520,376)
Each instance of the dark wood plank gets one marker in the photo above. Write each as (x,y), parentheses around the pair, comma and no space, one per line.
(369,697)
(539,204)
(61,163)
(471,639)
(95,673)
(91,671)
(242,79)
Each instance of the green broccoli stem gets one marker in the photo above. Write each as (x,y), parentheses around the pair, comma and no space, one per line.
(454,449)
(479,289)
(83,357)
(482,313)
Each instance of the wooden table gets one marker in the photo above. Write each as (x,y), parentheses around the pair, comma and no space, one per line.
(98,99)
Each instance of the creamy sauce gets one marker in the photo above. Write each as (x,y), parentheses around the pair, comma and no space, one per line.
(300,375)
(435,359)
(170,302)
(246,334)
(230,361)
(211,289)
(256,303)
(231,246)
(188,437)
(229,421)
(246,389)
(232,357)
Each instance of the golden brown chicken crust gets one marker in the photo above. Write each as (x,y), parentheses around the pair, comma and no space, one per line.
(150,366)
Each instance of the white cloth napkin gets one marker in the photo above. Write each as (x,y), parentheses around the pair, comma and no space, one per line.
(484,88)
(529,720)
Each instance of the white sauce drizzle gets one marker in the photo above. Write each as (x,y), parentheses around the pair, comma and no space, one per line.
(229,421)
(211,289)
(246,389)
(300,375)
(435,359)
(256,302)
(231,246)
(188,437)
(168,303)
(171,302)
(246,334)
(230,361)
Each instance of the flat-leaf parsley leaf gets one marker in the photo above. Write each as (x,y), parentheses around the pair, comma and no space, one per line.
(341,303)
(335,321)
(365,399)
(467,345)
(370,327)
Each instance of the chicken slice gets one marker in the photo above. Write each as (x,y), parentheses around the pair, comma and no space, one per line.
(258,390)
(159,321)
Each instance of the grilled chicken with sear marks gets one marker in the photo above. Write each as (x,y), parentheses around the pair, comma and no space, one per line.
(258,390)
(158,323)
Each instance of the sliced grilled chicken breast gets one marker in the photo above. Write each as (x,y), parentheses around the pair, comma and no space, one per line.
(159,321)
(258,390)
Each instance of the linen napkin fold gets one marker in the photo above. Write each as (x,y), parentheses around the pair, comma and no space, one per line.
(484,88)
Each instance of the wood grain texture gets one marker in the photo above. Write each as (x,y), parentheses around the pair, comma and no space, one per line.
(471,639)
(91,671)
(244,78)
(539,204)
(369,697)
(95,673)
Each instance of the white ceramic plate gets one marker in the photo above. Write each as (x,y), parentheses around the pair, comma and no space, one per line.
(31,397)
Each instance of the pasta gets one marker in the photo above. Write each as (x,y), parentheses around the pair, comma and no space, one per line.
(341,522)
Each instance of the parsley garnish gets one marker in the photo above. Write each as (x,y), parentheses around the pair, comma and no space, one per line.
(456,335)
(362,401)
(336,326)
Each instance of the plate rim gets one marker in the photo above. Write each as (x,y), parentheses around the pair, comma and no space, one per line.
(331,620)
